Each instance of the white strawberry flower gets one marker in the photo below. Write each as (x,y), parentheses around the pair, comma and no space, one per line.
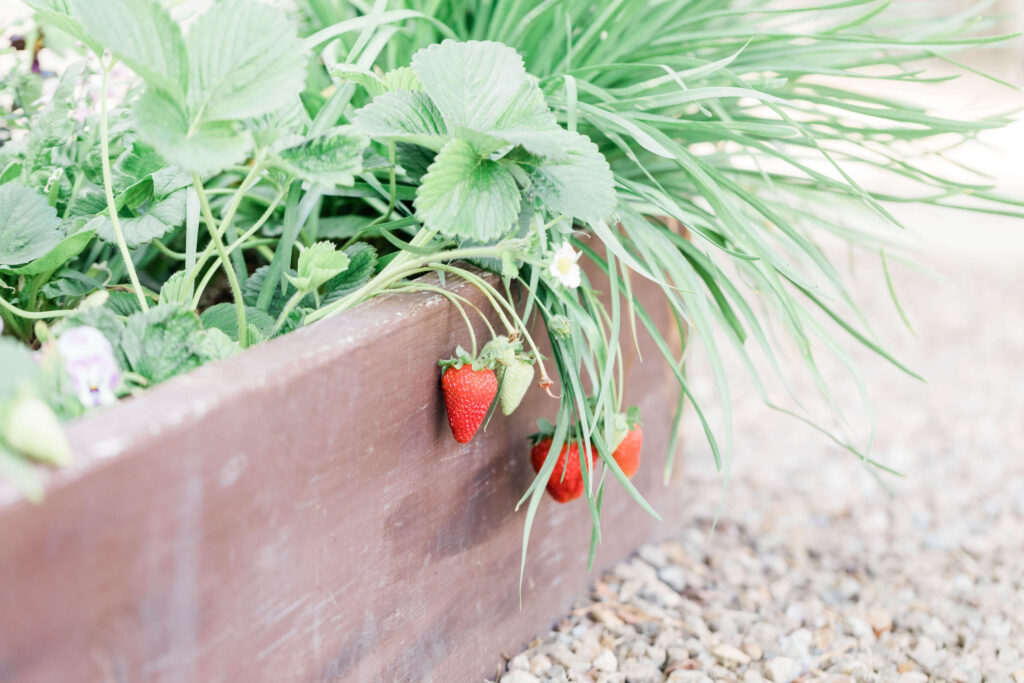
(564,266)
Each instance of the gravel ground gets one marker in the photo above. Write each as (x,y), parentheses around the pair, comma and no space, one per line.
(815,572)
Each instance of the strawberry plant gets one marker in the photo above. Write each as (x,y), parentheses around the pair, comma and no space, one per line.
(186,189)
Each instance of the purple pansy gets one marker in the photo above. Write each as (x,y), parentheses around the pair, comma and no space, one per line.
(90,364)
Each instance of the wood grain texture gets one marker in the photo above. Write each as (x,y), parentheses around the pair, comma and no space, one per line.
(301,513)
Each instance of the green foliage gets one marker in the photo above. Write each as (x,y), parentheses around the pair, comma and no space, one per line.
(467,195)
(477,107)
(222,317)
(362,260)
(245,60)
(205,147)
(151,221)
(703,145)
(332,158)
(318,263)
(163,342)
(140,33)
(29,227)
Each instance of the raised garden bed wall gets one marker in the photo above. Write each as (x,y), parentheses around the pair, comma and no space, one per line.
(301,513)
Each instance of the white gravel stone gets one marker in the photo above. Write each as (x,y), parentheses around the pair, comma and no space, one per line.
(520,662)
(540,664)
(519,676)
(731,654)
(606,661)
(782,669)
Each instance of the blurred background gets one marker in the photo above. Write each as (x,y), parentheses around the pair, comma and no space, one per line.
(808,538)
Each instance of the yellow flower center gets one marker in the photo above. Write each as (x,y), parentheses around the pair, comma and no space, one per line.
(565,264)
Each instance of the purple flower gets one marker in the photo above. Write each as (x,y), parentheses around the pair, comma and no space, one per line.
(90,364)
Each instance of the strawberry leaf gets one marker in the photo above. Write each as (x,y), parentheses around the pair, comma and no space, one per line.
(246,60)
(142,34)
(465,195)
(471,83)
(203,148)
(29,227)
(581,185)
(329,159)
(318,263)
(406,116)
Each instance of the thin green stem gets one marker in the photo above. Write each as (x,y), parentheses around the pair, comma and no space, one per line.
(218,243)
(399,268)
(34,315)
(234,245)
(229,216)
(108,188)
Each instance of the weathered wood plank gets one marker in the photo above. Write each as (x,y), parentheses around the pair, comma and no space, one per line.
(301,513)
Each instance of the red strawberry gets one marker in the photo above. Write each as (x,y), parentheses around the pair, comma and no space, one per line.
(469,390)
(627,455)
(562,488)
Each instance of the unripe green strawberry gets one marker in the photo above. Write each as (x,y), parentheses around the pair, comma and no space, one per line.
(517,379)
(33,430)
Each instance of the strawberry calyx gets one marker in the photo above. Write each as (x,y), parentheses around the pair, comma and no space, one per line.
(623,425)
(462,357)
(506,351)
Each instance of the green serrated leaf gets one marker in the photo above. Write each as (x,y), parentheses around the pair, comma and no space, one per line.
(471,83)
(318,263)
(224,318)
(465,195)
(364,78)
(70,283)
(138,162)
(29,227)
(254,285)
(414,159)
(245,60)
(529,123)
(362,261)
(121,303)
(581,185)
(156,342)
(88,203)
(160,217)
(213,345)
(176,290)
(142,34)
(403,115)
(329,159)
(402,78)
(64,251)
(58,14)
(204,148)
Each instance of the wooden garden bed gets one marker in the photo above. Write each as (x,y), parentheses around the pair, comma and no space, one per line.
(301,513)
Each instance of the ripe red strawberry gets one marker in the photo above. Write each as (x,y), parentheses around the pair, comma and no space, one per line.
(627,440)
(562,488)
(469,388)
(627,455)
